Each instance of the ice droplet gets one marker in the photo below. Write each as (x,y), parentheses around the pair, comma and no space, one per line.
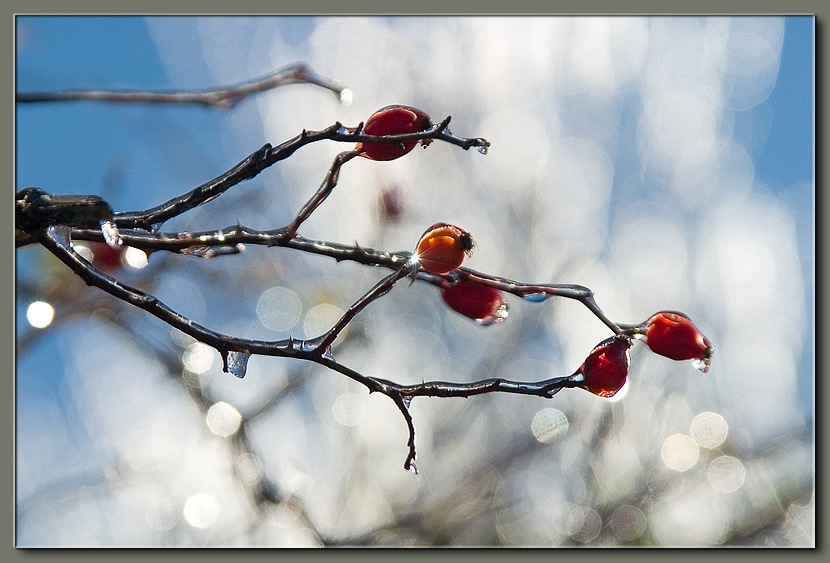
(111,235)
(482,149)
(498,316)
(237,363)
(536,297)
(62,235)
(702,364)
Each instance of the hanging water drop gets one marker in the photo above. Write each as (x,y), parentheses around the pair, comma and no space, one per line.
(536,297)
(62,235)
(412,469)
(407,400)
(111,235)
(482,149)
(237,363)
(346,96)
(498,316)
(702,364)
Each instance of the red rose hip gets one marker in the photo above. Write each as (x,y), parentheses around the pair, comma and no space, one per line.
(443,247)
(675,336)
(393,120)
(605,370)
(483,304)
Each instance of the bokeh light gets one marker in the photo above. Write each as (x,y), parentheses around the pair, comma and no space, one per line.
(201,510)
(549,425)
(709,429)
(628,522)
(726,474)
(279,308)
(349,409)
(223,419)
(679,452)
(40,314)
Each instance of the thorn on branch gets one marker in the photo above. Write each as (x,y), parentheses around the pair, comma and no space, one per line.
(444,124)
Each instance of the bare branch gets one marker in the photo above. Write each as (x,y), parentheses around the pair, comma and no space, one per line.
(224,97)
(381,288)
(322,192)
(268,155)
(238,234)
(311,350)
(38,213)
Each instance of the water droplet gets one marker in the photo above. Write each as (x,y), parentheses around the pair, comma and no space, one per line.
(536,297)
(407,400)
(482,149)
(702,364)
(110,232)
(62,235)
(498,316)
(237,363)
(412,469)
(346,96)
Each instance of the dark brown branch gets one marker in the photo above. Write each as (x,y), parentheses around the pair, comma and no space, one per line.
(36,210)
(268,155)
(95,277)
(322,192)
(300,349)
(224,97)
(252,165)
(402,403)
(238,234)
(139,229)
(380,289)
(541,292)
(311,350)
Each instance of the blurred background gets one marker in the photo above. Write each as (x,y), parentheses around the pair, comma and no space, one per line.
(666,163)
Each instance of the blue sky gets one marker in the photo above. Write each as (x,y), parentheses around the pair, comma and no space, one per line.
(787,156)
(117,52)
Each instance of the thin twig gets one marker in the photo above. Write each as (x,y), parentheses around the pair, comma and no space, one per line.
(268,155)
(322,192)
(310,350)
(224,97)
(140,229)
(380,289)
(238,234)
